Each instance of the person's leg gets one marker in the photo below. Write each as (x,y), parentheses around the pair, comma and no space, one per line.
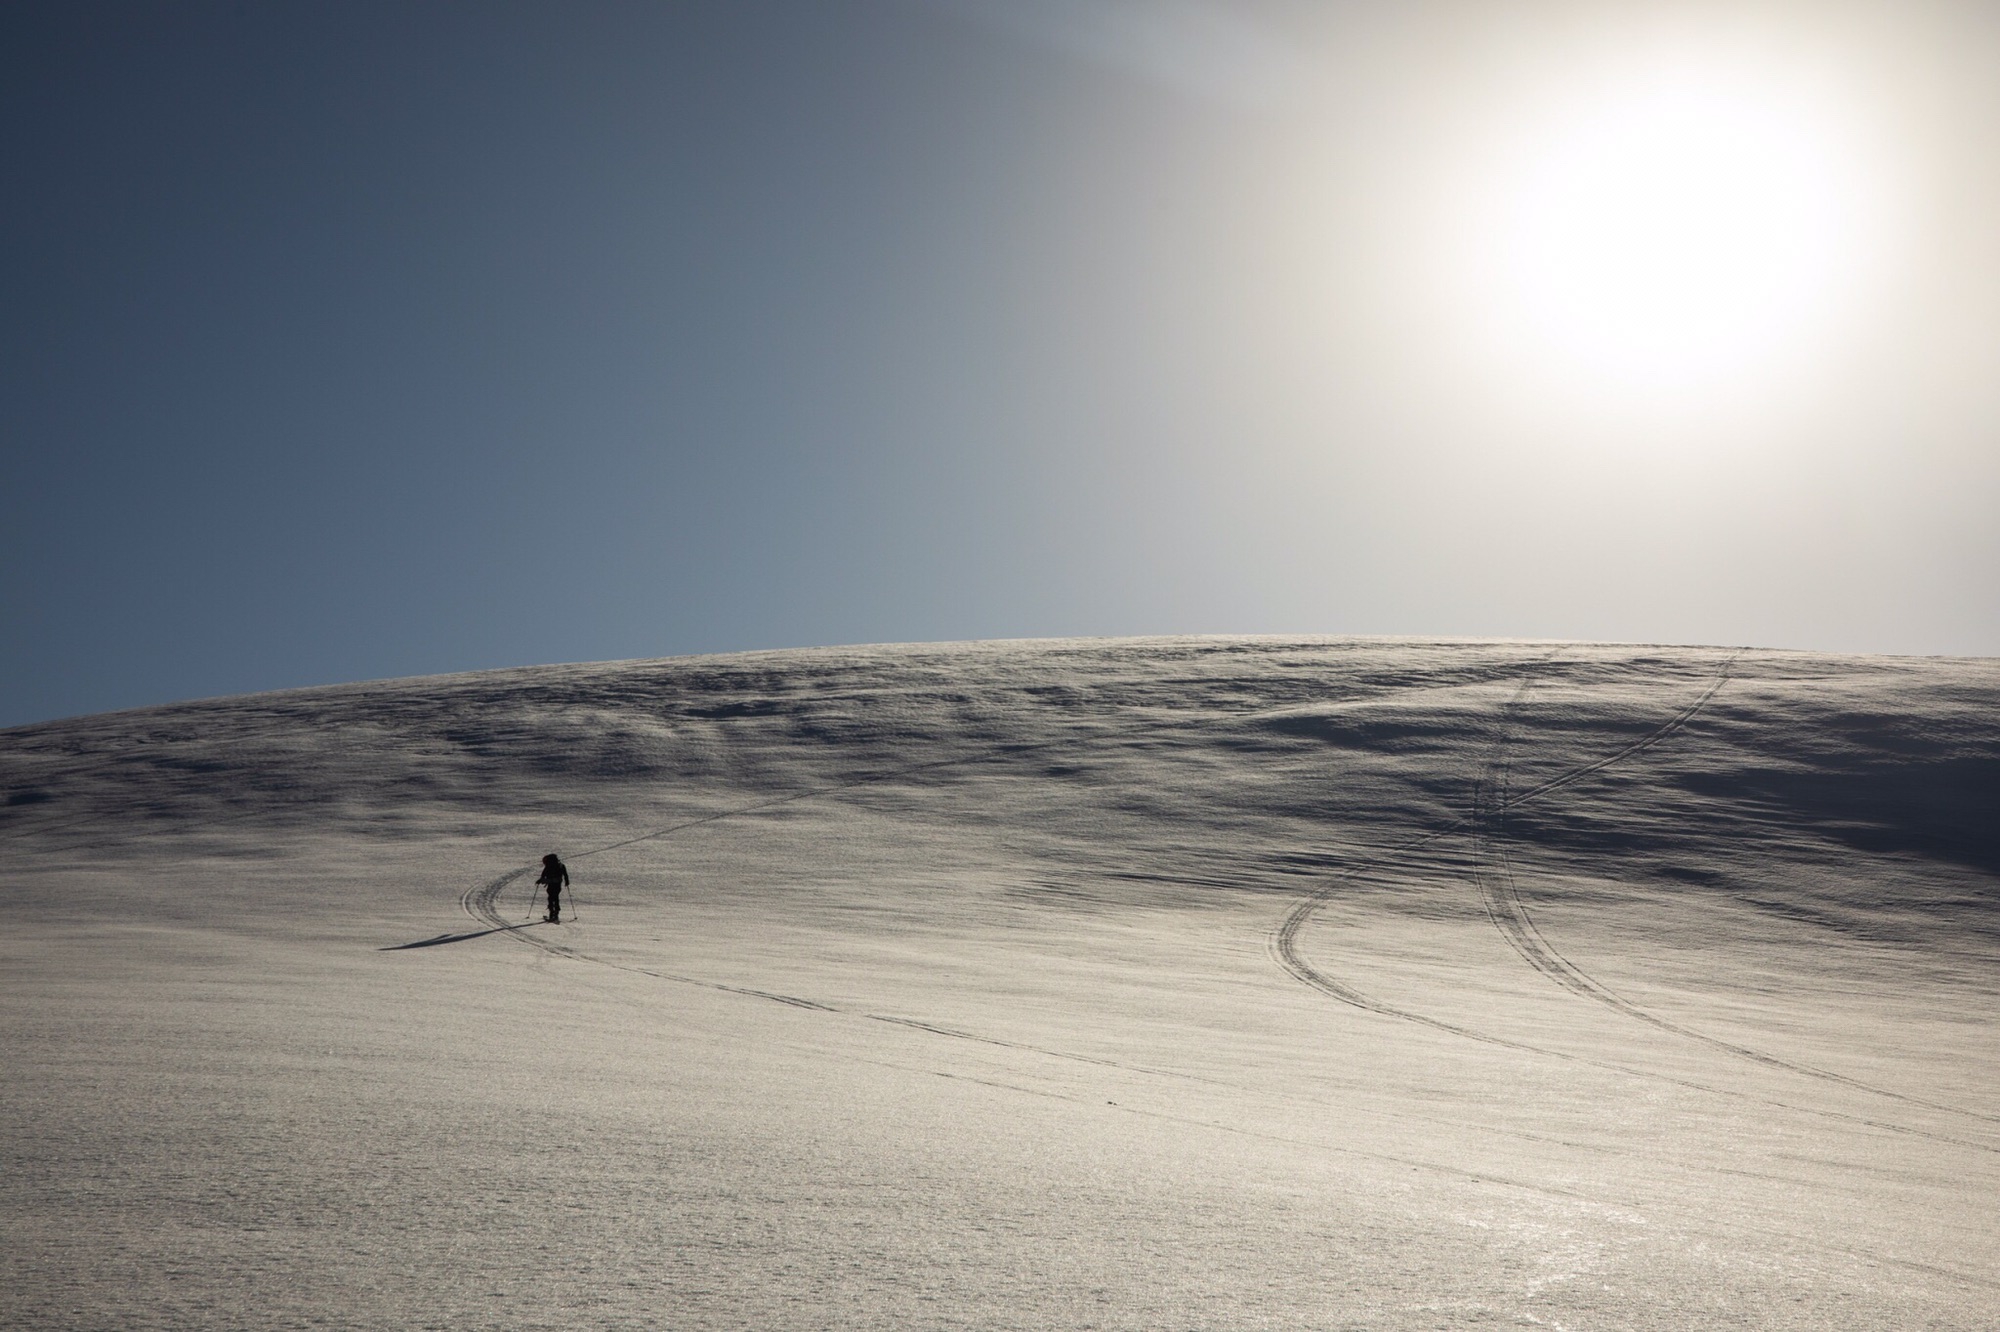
(555,902)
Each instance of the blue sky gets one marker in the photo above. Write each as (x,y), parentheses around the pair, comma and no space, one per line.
(353,340)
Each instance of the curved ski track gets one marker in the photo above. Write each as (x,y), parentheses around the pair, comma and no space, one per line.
(1510,917)
(1493,875)
(1285,940)
(481,902)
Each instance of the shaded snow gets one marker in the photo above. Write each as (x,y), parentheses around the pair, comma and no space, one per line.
(1173,983)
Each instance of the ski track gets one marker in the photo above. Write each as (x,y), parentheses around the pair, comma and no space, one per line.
(1285,940)
(1285,946)
(1497,886)
(481,903)
(1540,1187)
(1493,875)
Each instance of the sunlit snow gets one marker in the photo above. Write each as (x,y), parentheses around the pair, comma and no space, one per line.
(1170,983)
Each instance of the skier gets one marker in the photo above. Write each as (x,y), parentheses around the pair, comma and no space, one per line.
(555,877)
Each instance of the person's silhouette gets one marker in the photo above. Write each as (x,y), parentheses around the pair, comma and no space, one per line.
(555,877)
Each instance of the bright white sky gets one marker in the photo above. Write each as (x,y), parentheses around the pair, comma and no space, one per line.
(1681,229)
(1688,221)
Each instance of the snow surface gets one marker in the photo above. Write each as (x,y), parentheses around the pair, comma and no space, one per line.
(1167,983)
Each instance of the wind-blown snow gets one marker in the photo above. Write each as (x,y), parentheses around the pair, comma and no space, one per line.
(1169,983)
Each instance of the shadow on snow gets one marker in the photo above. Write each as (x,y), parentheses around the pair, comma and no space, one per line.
(455,938)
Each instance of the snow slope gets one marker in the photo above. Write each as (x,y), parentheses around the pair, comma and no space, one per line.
(1168,983)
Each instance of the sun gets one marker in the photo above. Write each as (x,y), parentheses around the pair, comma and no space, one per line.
(1673,232)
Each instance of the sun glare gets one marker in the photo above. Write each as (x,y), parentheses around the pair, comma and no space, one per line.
(1672,233)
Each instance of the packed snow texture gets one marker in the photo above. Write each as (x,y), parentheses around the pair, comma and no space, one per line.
(1149,984)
